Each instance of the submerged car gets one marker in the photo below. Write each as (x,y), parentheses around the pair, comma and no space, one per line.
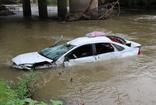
(96,46)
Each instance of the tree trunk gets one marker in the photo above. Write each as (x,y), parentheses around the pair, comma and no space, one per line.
(99,2)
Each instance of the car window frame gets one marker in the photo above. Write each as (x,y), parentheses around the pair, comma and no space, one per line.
(117,47)
(105,52)
(67,58)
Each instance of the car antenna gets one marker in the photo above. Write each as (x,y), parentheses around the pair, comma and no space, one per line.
(60,38)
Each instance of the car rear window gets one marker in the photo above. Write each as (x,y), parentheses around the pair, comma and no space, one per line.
(119,48)
(103,48)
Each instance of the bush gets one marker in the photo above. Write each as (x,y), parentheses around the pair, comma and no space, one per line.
(24,87)
(12,93)
(8,96)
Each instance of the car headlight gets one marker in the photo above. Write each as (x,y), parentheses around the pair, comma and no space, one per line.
(27,66)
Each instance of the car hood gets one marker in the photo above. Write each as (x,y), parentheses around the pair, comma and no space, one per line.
(30,58)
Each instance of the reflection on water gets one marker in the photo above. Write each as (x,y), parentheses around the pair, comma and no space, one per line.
(127,81)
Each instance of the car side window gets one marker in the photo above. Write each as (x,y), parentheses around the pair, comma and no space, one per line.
(103,48)
(119,48)
(82,51)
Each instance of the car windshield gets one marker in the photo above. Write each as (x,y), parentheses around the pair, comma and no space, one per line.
(56,52)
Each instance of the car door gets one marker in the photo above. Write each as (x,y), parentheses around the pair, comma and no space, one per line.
(82,54)
(106,51)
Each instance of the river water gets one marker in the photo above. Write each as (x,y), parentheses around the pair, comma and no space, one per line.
(126,81)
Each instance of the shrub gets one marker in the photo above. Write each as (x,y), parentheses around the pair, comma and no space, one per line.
(8,96)
(12,93)
(24,87)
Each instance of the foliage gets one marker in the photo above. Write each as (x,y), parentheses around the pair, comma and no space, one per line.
(56,102)
(8,96)
(24,87)
(12,93)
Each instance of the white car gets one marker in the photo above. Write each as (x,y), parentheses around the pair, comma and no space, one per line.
(92,48)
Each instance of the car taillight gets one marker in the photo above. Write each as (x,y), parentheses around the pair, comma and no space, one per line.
(139,52)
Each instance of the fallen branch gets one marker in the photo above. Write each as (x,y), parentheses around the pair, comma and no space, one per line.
(102,12)
(41,81)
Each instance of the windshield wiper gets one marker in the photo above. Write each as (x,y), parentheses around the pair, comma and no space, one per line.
(60,38)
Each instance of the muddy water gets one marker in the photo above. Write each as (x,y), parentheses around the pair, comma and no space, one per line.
(127,81)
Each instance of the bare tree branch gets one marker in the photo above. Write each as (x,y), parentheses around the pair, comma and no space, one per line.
(102,12)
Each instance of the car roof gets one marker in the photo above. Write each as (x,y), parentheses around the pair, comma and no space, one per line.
(87,40)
